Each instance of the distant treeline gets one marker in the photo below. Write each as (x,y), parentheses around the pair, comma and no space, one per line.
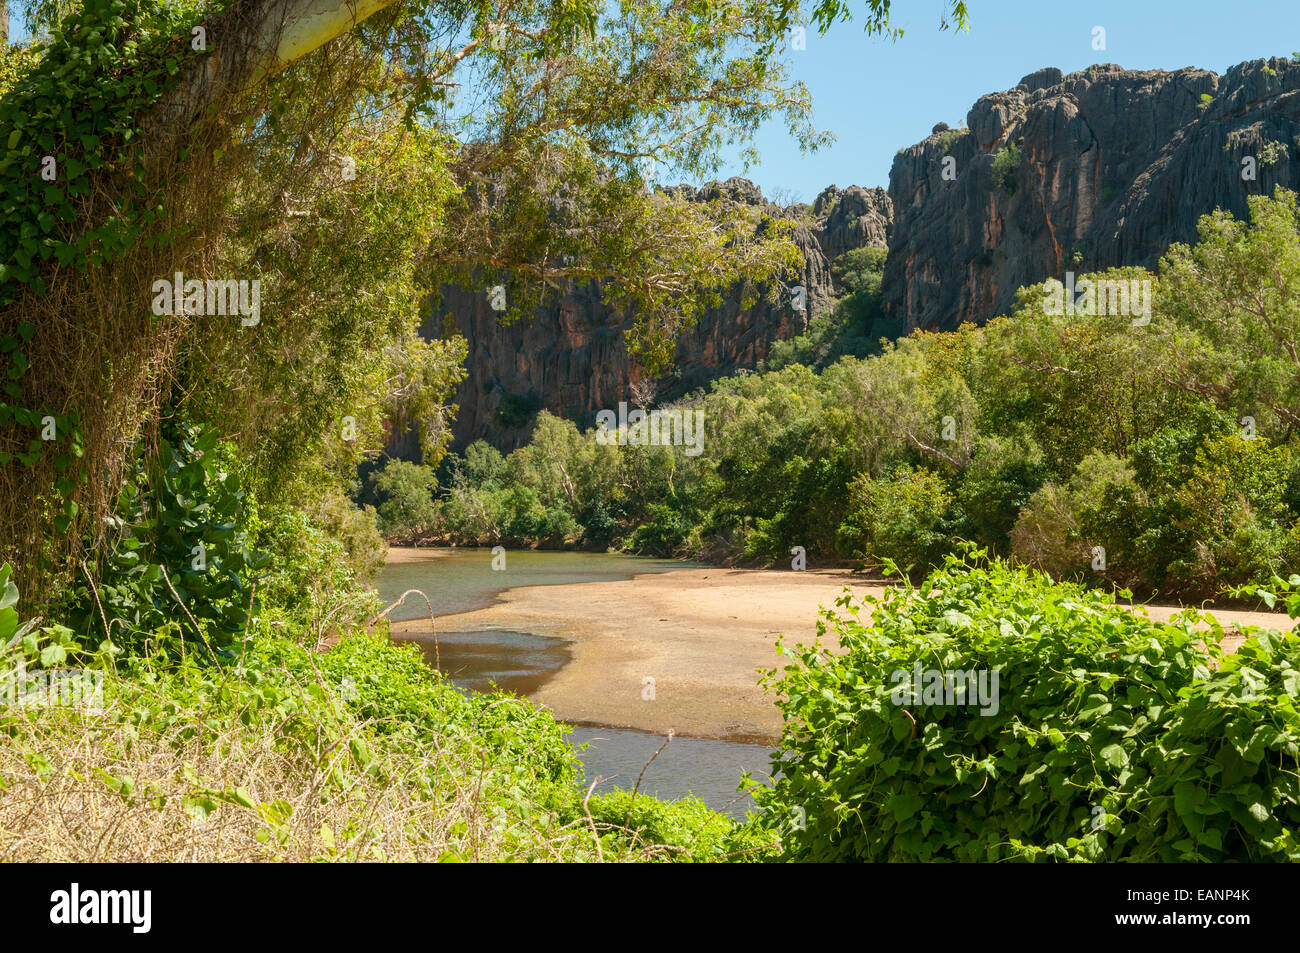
(1152,451)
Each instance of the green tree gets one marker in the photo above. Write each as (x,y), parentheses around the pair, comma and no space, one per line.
(406,496)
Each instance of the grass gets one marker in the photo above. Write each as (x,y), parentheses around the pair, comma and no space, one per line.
(359,754)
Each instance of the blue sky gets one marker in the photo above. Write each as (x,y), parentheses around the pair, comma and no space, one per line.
(878,96)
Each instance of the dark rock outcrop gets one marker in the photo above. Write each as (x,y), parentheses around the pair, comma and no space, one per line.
(1114,166)
(571,358)
(1100,168)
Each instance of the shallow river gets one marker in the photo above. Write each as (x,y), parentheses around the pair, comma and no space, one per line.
(463,580)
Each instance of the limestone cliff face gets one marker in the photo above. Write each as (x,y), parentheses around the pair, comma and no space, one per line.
(1115,165)
(571,358)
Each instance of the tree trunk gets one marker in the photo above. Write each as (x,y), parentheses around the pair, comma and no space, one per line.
(249,42)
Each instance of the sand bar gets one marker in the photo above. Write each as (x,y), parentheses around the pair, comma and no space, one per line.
(700,634)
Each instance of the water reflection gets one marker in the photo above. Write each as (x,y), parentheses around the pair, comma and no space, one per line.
(514,661)
(706,768)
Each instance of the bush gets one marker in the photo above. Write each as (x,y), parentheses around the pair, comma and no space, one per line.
(406,497)
(525,518)
(685,830)
(357,529)
(850,327)
(902,518)
(1059,528)
(1235,516)
(1108,736)
(661,533)
(1002,478)
(309,584)
(600,527)
(1005,163)
(177,538)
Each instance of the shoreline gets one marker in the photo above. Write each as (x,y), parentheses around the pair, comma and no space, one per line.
(681,649)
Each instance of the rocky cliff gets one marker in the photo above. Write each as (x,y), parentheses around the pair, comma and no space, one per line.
(1099,168)
(571,359)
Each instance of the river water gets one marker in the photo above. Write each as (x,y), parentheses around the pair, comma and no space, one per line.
(521,662)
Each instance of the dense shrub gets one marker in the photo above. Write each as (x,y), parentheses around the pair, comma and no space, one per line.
(405,492)
(357,531)
(526,517)
(1234,512)
(662,532)
(1059,529)
(902,518)
(1112,737)
(308,582)
(1003,476)
(176,549)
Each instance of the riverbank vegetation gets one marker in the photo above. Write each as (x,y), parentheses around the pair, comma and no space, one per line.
(181,549)
(362,753)
(1106,736)
(174,481)
(1154,452)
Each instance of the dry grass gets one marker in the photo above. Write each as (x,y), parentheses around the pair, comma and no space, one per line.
(77,787)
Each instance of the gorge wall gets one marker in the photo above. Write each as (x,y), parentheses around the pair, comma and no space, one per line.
(1114,166)
(571,360)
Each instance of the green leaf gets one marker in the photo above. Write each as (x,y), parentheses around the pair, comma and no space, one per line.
(1114,757)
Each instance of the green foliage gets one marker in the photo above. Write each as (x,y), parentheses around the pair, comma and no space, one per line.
(1058,528)
(1232,297)
(902,518)
(357,532)
(179,551)
(366,718)
(1233,507)
(1112,738)
(529,517)
(484,465)
(123,54)
(1005,163)
(8,604)
(311,583)
(1272,153)
(687,828)
(661,533)
(1170,444)
(1003,475)
(405,492)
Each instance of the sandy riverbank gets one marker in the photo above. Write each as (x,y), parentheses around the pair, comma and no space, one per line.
(700,634)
